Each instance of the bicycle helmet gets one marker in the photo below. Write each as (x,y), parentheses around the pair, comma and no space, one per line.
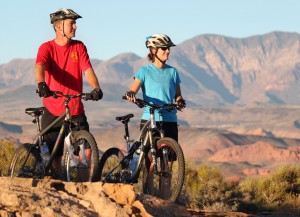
(159,40)
(63,14)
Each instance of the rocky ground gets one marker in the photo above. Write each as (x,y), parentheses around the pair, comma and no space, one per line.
(50,198)
(53,198)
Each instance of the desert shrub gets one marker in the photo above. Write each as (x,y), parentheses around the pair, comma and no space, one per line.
(281,190)
(7,149)
(204,188)
(189,189)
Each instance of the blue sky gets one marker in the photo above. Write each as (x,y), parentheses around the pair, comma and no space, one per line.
(109,28)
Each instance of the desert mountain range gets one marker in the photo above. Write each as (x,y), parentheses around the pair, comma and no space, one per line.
(214,69)
(243,101)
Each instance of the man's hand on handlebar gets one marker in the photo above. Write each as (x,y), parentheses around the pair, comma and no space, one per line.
(43,90)
(96,94)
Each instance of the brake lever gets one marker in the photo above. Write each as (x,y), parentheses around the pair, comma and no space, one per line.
(86,97)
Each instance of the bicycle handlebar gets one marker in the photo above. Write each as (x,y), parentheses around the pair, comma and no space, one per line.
(84,96)
(141,103)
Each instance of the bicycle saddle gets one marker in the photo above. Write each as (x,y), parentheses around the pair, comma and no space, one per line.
(34,111)
(124,118)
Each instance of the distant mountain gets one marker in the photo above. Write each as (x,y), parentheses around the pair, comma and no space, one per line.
(214,69)
(261,68)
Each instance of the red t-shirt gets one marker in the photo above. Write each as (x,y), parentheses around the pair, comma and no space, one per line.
(64,66)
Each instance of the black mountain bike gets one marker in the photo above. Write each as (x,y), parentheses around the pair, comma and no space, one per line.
(80,160)
(160,159)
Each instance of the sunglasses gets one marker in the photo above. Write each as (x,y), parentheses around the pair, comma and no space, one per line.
(165,48)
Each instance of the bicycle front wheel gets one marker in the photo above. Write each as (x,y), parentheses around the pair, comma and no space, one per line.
(26,163)
(86,156)
(109,160)
(167,180)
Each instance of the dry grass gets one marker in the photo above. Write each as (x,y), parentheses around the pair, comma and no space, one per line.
(205,189)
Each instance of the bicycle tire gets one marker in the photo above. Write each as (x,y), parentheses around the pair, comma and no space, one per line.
(82,172)
(32,168)
(110,158)
(157,184)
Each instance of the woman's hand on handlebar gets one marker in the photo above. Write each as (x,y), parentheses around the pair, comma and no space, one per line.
(180,104)
(130,96)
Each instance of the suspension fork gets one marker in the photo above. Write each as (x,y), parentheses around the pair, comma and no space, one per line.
(83,155)
(152,149)
(151,130)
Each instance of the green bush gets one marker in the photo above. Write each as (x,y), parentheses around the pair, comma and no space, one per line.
(205,189)
(279,191)
(7,150)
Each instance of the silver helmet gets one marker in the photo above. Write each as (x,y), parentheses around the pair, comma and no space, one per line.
(159,40)
(62,14)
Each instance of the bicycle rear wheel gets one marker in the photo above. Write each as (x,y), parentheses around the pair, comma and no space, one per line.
(167,182)
(83,143)
(26,163)
(109,160)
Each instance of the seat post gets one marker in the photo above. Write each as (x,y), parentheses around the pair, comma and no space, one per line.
(126,136)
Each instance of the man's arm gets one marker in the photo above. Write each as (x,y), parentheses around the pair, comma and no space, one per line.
(40,72)
(43,88)
(92,78)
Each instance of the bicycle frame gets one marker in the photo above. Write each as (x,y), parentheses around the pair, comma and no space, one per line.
(39,137)
(79,160)
(146,137)
(158,153)
(58,140)
(144,140)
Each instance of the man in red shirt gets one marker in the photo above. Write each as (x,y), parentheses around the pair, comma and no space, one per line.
(60,64)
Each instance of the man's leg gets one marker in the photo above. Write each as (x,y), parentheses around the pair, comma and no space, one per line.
(50,139)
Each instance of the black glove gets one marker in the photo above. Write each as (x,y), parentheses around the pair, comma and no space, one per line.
(130,94)
(181,103)
(44,90)
(97,94)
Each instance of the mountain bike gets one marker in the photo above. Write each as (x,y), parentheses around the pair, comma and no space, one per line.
(80,160)
(160,158)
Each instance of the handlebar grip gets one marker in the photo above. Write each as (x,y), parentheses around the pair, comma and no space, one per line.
(124,97)
(86,96)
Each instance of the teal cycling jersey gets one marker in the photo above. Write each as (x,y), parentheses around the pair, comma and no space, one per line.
(159,87)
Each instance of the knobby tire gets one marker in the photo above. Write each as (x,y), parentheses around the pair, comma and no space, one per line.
(81,172)
(155,184)
(32,168)
(110,158)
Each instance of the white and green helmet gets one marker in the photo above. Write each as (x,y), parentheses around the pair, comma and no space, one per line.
(62,14)
(159,40)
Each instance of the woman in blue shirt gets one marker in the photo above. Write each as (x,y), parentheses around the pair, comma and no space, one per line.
(160,84)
